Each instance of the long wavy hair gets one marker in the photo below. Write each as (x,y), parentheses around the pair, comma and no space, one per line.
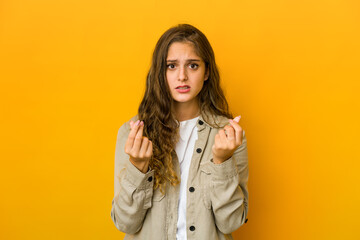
(156,108)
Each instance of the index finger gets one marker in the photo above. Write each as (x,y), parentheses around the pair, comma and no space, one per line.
(238,131)
(138,138)
(133,131)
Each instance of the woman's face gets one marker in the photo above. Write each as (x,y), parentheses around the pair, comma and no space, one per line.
(185,73)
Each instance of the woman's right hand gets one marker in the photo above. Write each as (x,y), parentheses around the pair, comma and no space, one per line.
(138,147)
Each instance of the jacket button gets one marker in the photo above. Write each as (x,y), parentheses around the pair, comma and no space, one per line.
(150,179)
(191,189)
(201,122)
(198,150)
(192,228)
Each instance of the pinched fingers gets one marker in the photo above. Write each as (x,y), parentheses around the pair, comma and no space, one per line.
(222,148)
(149,150)
(222,141)
(238,132)
(228,138)
(137,146)
(230,132)
(143,149)
(133,135)
(138,138)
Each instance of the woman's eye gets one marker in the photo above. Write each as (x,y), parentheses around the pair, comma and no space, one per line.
(171,66)
(193,66)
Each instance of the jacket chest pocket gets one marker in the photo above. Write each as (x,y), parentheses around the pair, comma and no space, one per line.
(205,183)
(157,195)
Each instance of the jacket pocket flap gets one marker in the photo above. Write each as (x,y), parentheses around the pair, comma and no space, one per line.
(157,196)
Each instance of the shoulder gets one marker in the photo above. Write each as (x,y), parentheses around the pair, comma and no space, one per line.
(217,121)
(214,121)
(222,120)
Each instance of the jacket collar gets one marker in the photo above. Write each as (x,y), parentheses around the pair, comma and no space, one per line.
(211,121)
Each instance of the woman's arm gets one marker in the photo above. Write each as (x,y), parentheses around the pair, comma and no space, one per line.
(229,193)
(133,189)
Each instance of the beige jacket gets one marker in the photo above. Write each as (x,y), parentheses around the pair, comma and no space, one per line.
(217,198)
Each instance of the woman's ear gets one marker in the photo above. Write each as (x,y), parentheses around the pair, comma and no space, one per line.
(206,74)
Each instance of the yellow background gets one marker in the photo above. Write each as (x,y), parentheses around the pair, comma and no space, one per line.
(73,71)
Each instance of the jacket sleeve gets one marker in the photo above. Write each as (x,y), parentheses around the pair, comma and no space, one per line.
(229,192)
(133,189)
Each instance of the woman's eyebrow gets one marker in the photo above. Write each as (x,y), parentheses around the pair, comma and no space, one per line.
(188,60)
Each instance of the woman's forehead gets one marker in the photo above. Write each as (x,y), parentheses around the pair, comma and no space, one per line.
(182,50)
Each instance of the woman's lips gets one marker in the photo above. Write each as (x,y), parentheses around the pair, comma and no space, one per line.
(183,89)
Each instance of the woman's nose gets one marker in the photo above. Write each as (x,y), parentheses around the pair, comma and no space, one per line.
(182,74)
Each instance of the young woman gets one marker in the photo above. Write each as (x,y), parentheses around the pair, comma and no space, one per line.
(181,164)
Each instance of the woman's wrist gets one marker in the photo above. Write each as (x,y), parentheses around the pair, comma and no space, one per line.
(142,166)
(217,160)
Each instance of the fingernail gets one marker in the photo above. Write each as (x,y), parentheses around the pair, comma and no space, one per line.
(137,123)
(237,119)
(142,123)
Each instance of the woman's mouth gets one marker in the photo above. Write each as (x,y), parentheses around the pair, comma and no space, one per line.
(183,89)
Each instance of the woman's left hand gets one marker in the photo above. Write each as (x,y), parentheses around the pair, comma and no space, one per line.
(227,142)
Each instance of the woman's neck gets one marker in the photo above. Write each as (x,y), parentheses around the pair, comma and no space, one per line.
(185,111)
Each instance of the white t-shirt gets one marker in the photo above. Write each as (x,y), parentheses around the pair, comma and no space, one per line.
(184,150)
